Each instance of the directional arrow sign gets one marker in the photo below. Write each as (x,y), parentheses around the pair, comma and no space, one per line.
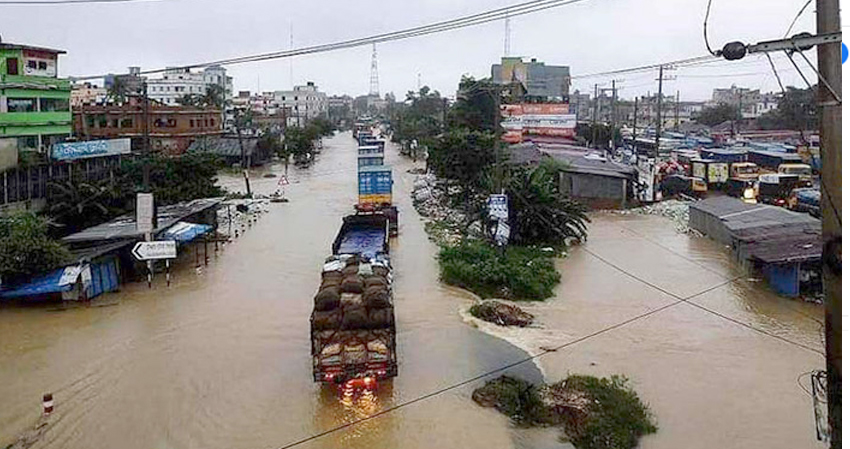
(166,249)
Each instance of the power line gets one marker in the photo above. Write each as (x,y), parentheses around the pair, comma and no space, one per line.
(502,368)
(703,308)
(705,29)
(438,27)
(797,17)
(66,2)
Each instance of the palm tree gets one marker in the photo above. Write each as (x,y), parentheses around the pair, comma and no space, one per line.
(119,90)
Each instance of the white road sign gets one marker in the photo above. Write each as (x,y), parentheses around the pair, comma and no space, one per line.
(144,212)
(498,205)
(283,181)
(165,249)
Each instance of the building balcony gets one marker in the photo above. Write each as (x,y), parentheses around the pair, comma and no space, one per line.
(10,119)
(34,82)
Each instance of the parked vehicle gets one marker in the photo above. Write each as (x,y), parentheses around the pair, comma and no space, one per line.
(714,173)
(744,170)
(805,200)
(804,171)
(775,188)
(352,327)
(771,160)
(679,184)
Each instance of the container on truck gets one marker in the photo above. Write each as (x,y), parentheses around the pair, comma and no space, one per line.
(714,173)
(366,160)
(352,327)
(376,150)
(775,188)
(728,155)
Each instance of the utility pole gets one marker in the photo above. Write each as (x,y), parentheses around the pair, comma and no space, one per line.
(658,112)
(829,65)
(595,109)
(676,112)
(146,140)
(634,127)
(613,112)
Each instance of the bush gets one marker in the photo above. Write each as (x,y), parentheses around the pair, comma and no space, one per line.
(617,418)
(520,273)
(26,249)
(597,413)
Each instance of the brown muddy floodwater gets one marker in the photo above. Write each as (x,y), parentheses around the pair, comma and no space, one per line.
(221,358)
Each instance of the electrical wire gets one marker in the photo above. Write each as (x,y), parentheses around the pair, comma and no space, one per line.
(438,27)
(65,2)
(775,72)
(797,17)
(703,308)
(705,30)
(502,368)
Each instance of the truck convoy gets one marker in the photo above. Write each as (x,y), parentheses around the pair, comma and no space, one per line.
(352,326)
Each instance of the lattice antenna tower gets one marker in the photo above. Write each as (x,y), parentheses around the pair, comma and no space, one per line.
(374,87)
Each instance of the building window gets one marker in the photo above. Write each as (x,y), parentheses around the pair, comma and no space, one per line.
(42,65)
(212,122)
(32,65)
(20,104)
(11,66)
(54,105)
(126,122)
(28,143)
(191,123)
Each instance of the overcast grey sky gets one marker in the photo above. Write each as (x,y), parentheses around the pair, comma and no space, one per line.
(591,36)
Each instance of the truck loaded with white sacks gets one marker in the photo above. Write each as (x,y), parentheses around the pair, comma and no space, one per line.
(353,322)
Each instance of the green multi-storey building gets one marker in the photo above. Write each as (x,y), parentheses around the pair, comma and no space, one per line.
(35,107)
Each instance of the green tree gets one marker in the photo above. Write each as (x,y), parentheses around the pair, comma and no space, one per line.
(420,118)
(77,204)
(119,90)
(797,110)
(715,115)
(173,179)
(463,155)
(477,106)
(25,247)
(539,214)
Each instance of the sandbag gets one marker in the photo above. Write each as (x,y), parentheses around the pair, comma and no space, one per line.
(351,270)
(351,300)
(380,270)
(330,283)
(381,318)
(377,297)
(332,275)
(351,284)
(327,299)
(327,321)
(354,319)
(373,281)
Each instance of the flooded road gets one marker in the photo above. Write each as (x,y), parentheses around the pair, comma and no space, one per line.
(221,359)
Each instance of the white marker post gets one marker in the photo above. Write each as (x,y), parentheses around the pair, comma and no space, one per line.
(145,218)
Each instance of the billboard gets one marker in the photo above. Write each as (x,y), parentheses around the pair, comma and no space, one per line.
(541,119)
(91,148)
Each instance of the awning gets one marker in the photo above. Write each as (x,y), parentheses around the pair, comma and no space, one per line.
(57,281)
(183,232)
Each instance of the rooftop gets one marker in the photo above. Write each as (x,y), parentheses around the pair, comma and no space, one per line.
(582,162)
(124,227)
(7,46)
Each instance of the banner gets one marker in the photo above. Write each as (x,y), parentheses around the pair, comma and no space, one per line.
(542,119)
(91,148)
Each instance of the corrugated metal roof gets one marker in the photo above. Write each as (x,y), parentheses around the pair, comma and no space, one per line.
(525,154)
(578,163)
(124,227)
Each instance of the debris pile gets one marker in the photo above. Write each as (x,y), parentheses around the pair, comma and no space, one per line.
(502,314)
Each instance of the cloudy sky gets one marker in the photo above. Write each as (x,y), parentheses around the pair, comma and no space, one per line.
(591,36)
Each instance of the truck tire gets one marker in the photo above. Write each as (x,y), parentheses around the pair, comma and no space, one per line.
(351,284)
(327,299)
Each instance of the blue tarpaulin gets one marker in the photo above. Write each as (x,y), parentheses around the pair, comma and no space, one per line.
(368,242)
(57,281)
(183,232)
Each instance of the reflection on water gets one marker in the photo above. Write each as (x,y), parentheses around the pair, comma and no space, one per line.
(341,405)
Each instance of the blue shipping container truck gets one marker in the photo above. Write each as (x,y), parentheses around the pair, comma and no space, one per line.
(373,150)
(369,160)
(375,184)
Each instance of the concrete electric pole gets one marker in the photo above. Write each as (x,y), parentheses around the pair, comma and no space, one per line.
(658,112)
(829,100)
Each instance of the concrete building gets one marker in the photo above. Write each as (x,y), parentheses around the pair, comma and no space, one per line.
(130,82)
(87,94)
(179,82)
(171,128)
(547,83)
(302,103)
(35,109)
(751,102)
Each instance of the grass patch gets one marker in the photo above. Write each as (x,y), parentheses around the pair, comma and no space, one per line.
(596,413)
(521,273)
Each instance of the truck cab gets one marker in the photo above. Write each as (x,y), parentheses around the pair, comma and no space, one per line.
(803,171)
